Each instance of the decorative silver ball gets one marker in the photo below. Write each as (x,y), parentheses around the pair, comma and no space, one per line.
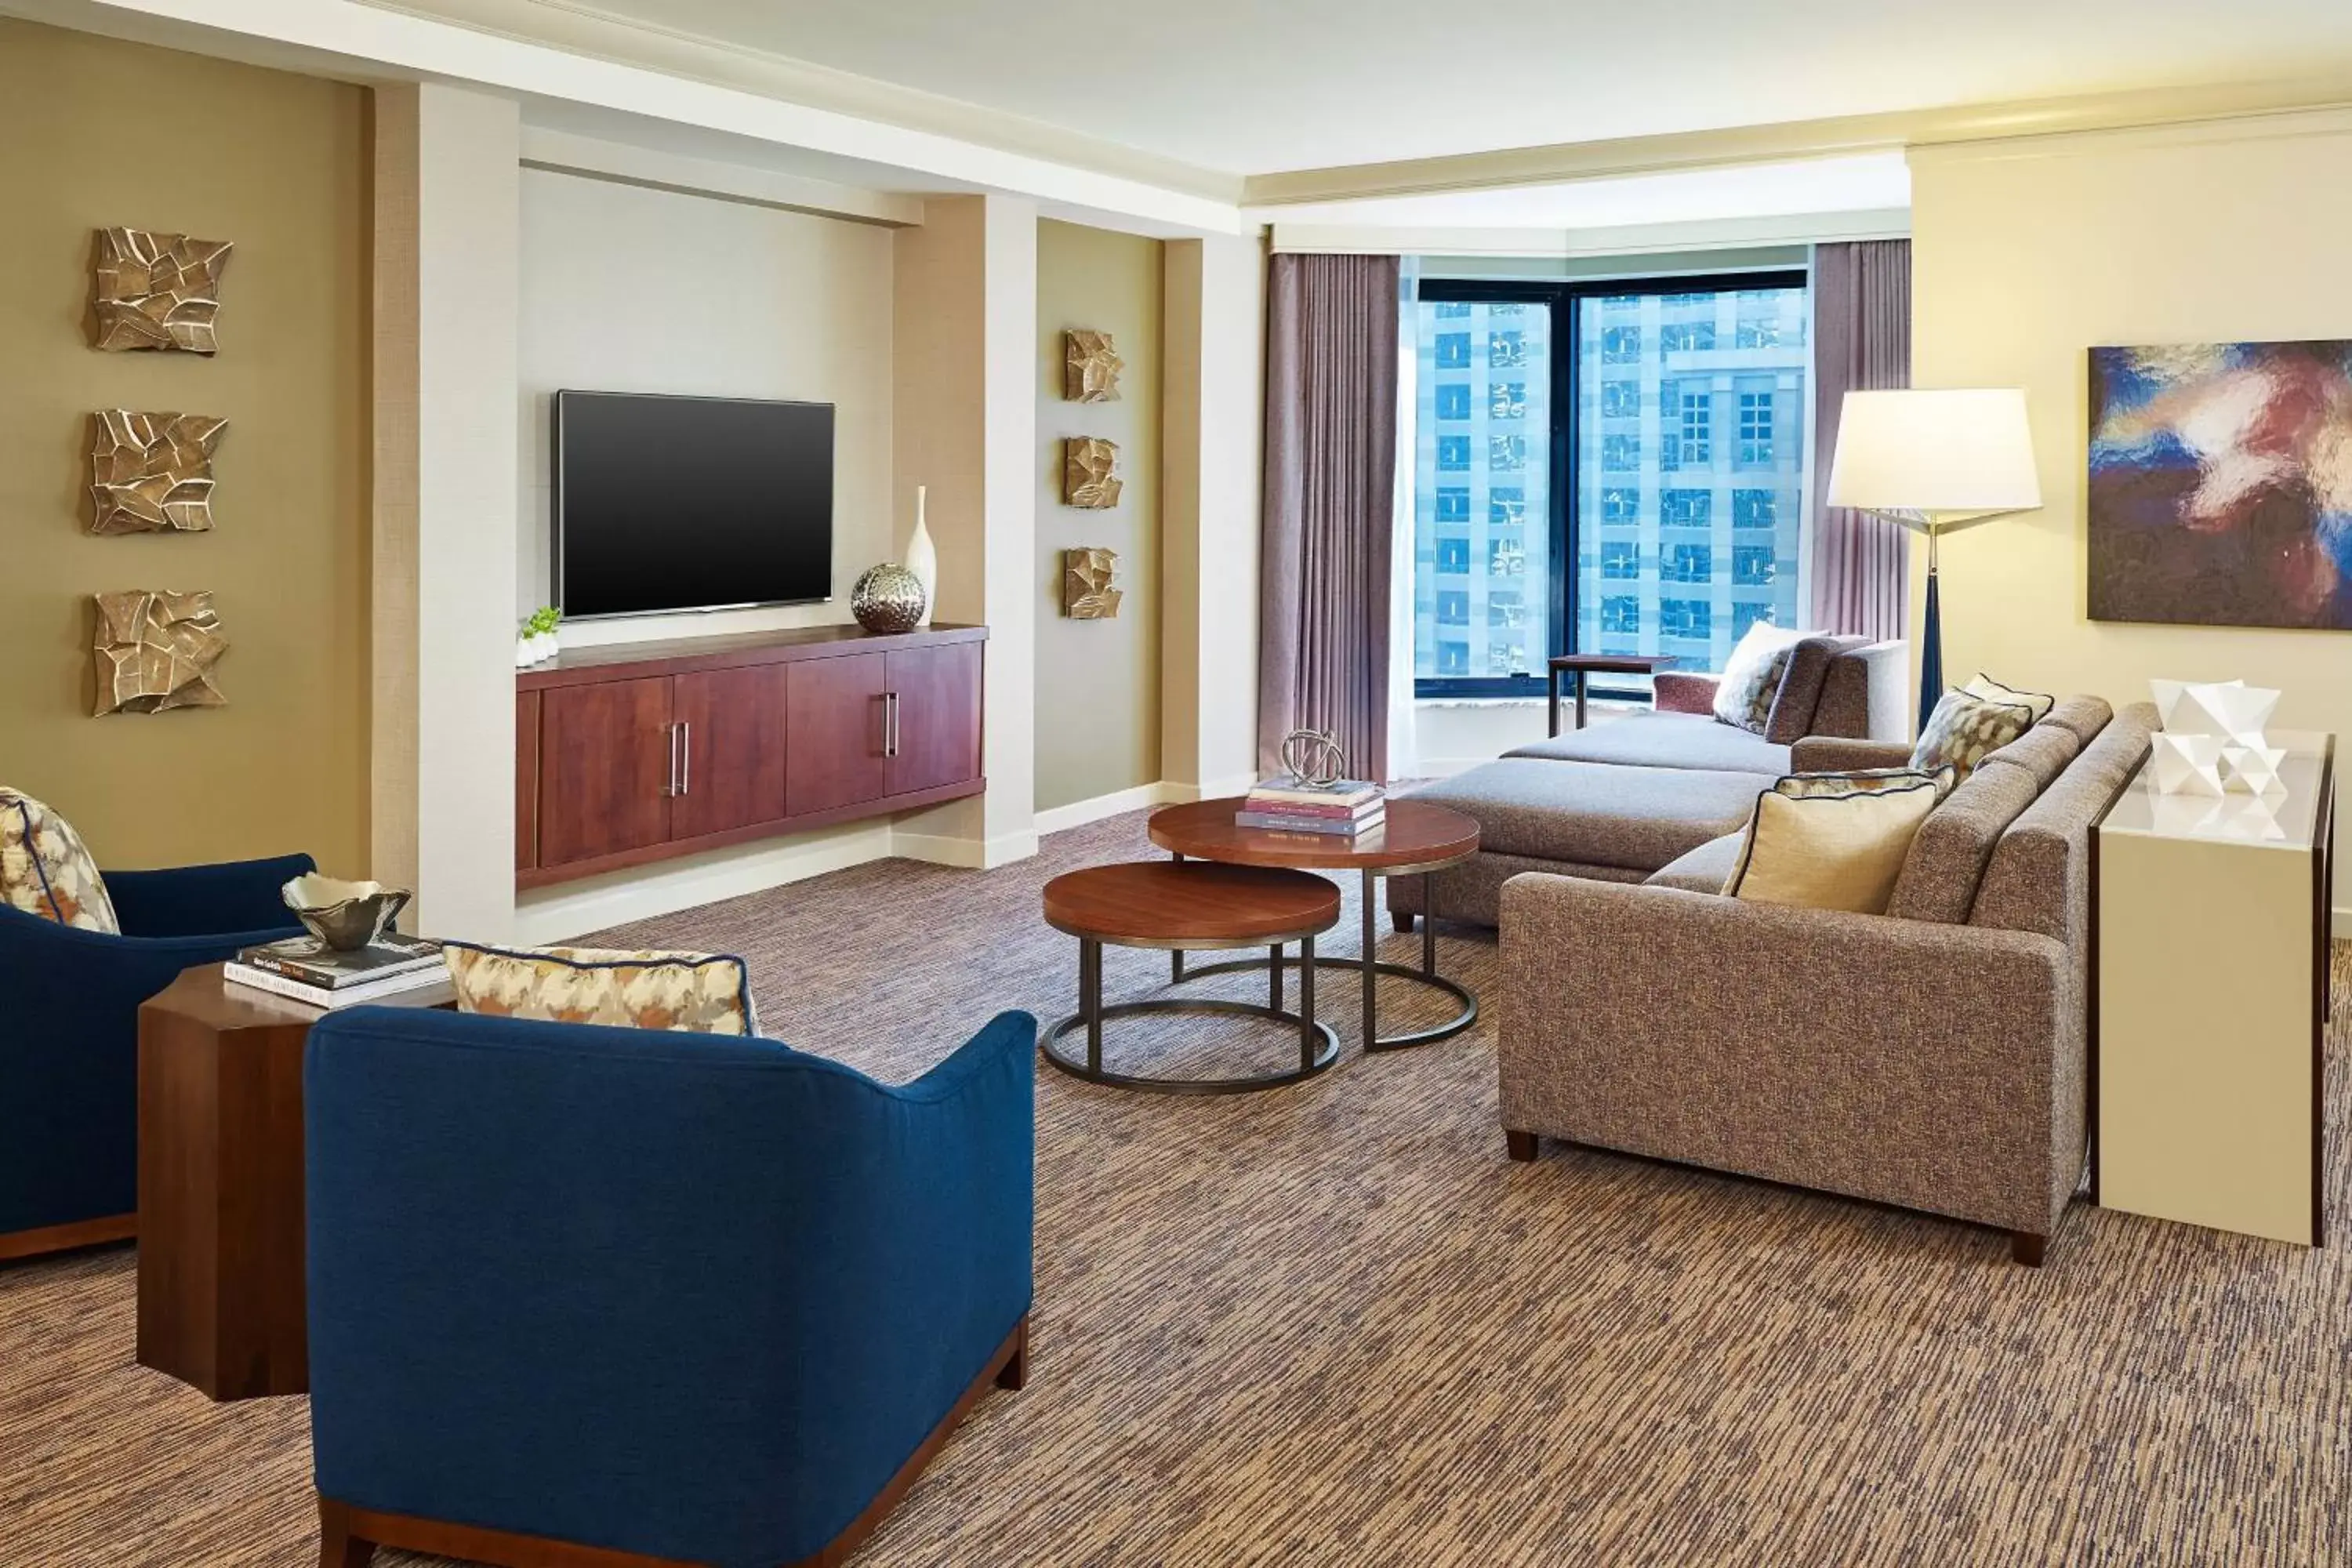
(887,598)
(1314,756)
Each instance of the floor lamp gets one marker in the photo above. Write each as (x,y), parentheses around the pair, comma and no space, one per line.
(1935,462)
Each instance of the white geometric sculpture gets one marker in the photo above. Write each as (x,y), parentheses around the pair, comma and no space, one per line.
(2213,738)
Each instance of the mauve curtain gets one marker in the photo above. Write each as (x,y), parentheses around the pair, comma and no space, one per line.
(1330,472)
(1862,343)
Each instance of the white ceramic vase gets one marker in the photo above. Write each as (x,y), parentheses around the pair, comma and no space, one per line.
(923,559)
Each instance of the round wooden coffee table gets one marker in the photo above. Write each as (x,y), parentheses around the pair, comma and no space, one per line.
(1171,904)
(1417,838)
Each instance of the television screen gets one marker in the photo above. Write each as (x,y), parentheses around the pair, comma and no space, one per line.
(690,503)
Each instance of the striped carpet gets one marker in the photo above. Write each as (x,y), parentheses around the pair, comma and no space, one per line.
(1333,1326)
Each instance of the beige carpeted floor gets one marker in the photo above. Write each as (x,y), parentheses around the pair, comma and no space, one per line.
(1331,1325)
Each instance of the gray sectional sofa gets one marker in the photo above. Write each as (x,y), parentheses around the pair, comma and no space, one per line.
(1630,798)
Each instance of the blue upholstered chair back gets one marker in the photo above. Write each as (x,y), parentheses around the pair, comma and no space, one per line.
(682,1295)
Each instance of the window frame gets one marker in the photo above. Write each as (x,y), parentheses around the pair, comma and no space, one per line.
(1563,298)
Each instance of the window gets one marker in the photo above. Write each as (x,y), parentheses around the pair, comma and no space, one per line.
(1687,564)
(1668,540)
(1755,429)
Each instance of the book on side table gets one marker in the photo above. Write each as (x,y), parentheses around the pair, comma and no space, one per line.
(307,970)
(1345,807)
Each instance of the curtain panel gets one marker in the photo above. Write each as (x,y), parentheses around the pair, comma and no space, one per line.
(1862,343)
(1329,505)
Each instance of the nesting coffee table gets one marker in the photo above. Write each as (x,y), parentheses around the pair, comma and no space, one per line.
(1417,838)
(1163,904)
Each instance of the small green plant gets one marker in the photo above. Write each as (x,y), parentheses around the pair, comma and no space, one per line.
(543,620)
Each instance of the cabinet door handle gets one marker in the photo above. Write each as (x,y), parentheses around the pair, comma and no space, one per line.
(669,737)
(889,724)
(685,757)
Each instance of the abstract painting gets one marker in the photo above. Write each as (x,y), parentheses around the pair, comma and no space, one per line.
(2221,484)
(152,473)
(155,291)
(155,650)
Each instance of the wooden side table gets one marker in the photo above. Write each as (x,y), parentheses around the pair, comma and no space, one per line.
(1584,665)
(221,1251)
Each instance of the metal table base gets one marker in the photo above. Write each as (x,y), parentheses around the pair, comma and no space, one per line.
(1318,1044)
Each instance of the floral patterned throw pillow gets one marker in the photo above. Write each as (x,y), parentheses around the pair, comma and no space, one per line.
(706,993)
(1965,729)
(1752,675)
(45,869)
(1862,781)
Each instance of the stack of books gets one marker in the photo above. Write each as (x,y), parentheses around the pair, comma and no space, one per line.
(1345,807)
(308,970)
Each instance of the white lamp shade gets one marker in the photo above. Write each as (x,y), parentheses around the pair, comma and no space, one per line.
(1944,456)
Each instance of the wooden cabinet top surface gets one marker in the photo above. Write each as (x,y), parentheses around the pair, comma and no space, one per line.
(684,656)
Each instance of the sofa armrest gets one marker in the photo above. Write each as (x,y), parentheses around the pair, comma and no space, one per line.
(200,900)
(1837,754)
(1933,1067)
(1685,691)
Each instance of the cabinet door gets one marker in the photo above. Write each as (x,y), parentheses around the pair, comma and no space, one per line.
(833,751)
(935,692)
(731,748)
(526,780)
(605,765)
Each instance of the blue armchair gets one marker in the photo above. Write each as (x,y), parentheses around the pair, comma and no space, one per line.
(69,1038)
(579,1292)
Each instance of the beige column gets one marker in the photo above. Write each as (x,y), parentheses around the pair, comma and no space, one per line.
(445,281)
(964,425)
(1212,401)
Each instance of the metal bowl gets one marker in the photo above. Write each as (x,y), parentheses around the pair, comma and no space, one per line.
(346,916)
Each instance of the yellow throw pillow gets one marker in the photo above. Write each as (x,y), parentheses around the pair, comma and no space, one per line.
(1829,851)
(705,992)
(45,869)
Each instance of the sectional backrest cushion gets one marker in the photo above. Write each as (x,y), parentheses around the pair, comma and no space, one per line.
(2039,877)
(1799,696)
(1947,855)
(2043,751)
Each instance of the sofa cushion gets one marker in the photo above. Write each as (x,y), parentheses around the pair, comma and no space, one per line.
(2038,878)
(706,994)
(1800,687)
(1752,675)
(1868,694)
(2084,715)
(1705,869)
(1947,855)
(2038,702)
(1635,818)
(1664,741)
(1840,851)
(2043,751)
(1856,781)
(1964,730)
(46,871)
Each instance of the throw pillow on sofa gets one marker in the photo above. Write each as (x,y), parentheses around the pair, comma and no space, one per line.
(1799,785)
(1831,851)
(2039,702)
(46,871)
(1965,729)
(1753,675)
(707,994)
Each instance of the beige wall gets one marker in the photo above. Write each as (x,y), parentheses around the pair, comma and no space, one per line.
(98,133)
(631,289)
(2027,253)
(1098,682)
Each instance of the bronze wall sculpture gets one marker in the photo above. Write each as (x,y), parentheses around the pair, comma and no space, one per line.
(152,473)
(1087,477)
(1087,590)
(157,291)
(1090,366)
(155,650)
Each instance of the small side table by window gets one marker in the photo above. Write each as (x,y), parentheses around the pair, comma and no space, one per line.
(1583,665)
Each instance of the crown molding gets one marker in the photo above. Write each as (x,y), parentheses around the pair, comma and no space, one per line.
(589,157)
(1620,239)
(599,34)
(1794,140)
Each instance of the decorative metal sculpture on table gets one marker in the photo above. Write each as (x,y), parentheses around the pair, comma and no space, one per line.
(152,473)
(155,650)
(888,598)
(1087,590)
(1314,758)
(156,290)
(1089,478)
(1090,367)
(2213,738)
(345,916)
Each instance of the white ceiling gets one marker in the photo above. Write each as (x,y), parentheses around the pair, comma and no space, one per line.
(1251,87)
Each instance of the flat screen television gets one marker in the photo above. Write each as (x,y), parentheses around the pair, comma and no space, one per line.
(665,504)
